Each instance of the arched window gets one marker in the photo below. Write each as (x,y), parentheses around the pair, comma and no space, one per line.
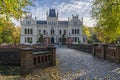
(60,32)
(28,31)
(28,39)
(65,32)
(39,31)
(75,39)
(72,31)
(31,39)
(31,31)
(25,32)
(52,31)
(25,39)
(77,31)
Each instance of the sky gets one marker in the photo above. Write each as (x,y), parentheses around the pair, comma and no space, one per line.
(65,9)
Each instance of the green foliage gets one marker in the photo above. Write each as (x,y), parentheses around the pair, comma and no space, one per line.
(41,39)
(107,15)
(11,9)
(63,39)
(86,31)
(14,8)
(8,32)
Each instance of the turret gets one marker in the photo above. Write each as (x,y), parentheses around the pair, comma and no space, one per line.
(52,13)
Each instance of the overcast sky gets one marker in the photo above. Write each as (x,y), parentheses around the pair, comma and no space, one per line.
(65,9)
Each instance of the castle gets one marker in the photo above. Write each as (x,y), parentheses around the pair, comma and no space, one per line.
(52,29)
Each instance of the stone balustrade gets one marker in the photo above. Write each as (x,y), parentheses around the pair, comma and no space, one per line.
(29,57)
(81,47)
(110,52)
(107,52)
(40,59)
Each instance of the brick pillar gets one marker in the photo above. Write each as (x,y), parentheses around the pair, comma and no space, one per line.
(53,58)
(26,64)
(93,49)
(103,50)
(117,53)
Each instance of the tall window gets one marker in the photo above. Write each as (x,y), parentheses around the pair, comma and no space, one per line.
(28,31)
(44,32)
(60,32)
(75,39)
(65,32)
(31,31)
(72,31)
(25,39)
(52,31)
(77,31)
(39,31)
(25,31)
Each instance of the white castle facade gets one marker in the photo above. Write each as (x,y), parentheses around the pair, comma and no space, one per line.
(52,29)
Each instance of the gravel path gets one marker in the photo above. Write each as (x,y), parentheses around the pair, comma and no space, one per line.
(76,65)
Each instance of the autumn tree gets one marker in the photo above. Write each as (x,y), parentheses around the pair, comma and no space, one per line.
(86,32)
(11,9)
(16,35)
(14,8)
(107,15)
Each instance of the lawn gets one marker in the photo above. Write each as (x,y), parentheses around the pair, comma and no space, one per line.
(10,72)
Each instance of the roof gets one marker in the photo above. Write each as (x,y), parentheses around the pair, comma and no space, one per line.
(62,22)
(41,22)
(59,22)
(52,13)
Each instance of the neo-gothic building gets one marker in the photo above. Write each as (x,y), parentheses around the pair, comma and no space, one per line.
(52,29)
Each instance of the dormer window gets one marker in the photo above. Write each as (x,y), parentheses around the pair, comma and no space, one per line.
(75,23)
(28,22)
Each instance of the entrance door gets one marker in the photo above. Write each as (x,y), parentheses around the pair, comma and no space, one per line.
(52,40)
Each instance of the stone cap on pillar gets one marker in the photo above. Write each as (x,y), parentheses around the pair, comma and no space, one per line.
(117,45)
(26,49)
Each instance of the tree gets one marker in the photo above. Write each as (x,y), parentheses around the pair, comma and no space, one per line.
(14,8)
(63,39)
(41,39)
(16,35)
(11,9)
(106,13)
(7,32)
(86,32)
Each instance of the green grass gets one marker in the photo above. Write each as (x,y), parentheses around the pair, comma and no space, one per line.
(9,72)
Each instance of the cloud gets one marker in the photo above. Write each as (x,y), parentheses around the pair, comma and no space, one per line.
(17,23)
(66,9)
(87,21)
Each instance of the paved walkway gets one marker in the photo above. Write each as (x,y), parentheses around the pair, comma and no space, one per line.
(76,65)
